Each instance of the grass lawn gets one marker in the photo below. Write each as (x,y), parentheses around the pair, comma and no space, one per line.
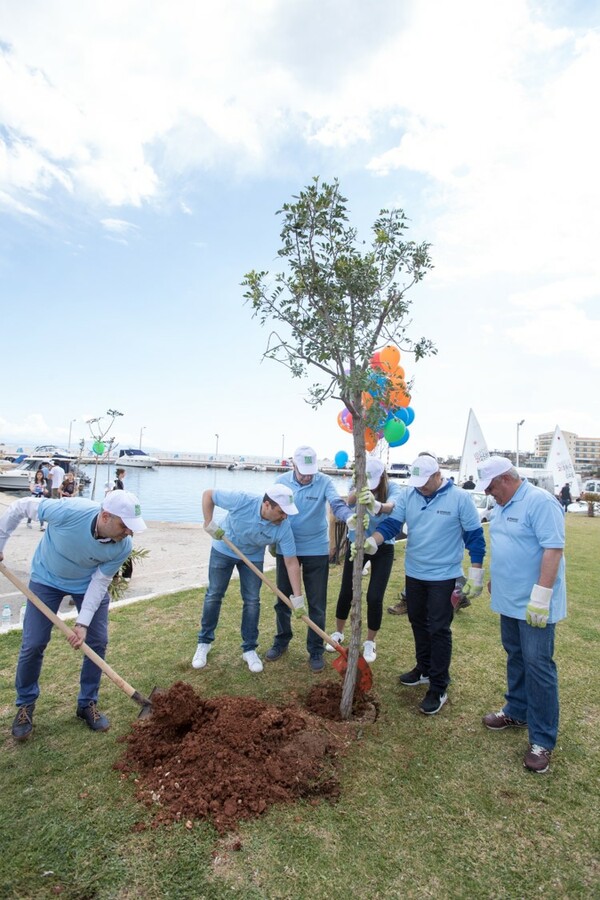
(430,806)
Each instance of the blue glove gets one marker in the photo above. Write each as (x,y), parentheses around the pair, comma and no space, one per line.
(538,608)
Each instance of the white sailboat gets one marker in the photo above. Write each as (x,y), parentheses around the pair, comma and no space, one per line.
(560,465)
(474,450)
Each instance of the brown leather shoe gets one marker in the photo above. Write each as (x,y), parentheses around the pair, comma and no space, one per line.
(496,721)
(537,759)
(399,609)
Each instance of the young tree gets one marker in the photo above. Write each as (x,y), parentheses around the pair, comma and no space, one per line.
(334,304)
(98,432)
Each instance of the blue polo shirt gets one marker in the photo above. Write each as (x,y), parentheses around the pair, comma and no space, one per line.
(245,527)
(531,522)
(440,527)
(393,493)
(311,525)
(69,554)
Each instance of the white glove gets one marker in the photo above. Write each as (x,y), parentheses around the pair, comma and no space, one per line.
(367,499)
(370,547)
(538,608)
(352,521)
(214,529)
(474,584)
(298,604)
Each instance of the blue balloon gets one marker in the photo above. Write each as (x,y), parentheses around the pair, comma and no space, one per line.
(402,440)
(340,459)
(402,414)
(410,413)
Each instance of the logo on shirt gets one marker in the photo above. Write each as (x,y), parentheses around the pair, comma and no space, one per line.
(511,519)
(443,512)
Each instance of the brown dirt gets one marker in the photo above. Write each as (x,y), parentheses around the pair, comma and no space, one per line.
(226,759)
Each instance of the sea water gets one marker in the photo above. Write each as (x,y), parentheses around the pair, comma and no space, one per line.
(174,493)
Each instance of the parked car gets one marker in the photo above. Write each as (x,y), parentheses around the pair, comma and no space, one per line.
(484,504)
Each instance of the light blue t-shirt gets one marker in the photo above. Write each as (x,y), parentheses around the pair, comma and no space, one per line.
(245,527)
(531,522)
(69,554)
(393,492)
(439,527)
(311,525)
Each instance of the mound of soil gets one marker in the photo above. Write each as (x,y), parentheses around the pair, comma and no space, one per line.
(230,758)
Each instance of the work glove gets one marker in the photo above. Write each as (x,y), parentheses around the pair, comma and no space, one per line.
(214,529)
(474,584)
(538,608)
(298,604)
(273,550)
(370,547)
(367,499)
(352,521)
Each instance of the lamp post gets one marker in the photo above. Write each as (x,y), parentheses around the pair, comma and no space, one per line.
(70,427)
(142,429)
(517,456)
(282,447)
(216,446)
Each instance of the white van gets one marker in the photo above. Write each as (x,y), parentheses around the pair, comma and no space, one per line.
(592,486)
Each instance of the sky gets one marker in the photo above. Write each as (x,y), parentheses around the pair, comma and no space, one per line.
(146,147)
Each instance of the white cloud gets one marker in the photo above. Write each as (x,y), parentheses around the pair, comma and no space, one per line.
(118,226)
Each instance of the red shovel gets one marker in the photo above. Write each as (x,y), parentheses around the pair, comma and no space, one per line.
(365,675)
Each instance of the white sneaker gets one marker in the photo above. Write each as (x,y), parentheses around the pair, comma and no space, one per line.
(337,636)
(252,658)
(369,653)
(199,660)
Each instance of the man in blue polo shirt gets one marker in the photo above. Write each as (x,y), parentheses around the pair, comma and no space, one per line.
(83,547)
(252,523)
(442,521)
(527,530)
(312,492)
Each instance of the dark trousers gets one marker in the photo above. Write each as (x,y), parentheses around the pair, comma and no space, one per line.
(315,573)
(381,568)
(430,614)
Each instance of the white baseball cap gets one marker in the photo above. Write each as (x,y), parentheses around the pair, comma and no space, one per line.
(305,459)
(489,469)
(421,470)
(283,496)
(375,469)
(127,507)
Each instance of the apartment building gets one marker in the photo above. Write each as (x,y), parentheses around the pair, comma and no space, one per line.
(584,451)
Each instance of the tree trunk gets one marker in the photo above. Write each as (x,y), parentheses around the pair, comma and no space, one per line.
(355,610)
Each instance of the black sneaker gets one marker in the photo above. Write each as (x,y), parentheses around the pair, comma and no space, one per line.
(316,662)
(92,717)
(433,702)
(412,678)
(274,653)
(22,725)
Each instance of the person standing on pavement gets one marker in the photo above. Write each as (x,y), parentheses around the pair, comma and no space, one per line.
(252,523)
(312,492)
(527,584)
(56,476)
(385,492)
(442,521)
(81,550)
(565,496)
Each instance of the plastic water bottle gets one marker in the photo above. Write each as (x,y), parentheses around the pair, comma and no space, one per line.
(6,617)
(22,614)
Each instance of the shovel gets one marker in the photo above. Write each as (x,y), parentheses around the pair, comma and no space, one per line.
(365,675)
(146,704)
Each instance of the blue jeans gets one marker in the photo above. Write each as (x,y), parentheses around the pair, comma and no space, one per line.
(381,569)
(532,679)
(430,614)
(36,636)
(315,573)
(220,570)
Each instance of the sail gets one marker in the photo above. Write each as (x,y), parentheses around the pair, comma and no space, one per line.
(474,450)
(560,465)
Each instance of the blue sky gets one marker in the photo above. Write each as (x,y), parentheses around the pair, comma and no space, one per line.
(144,152)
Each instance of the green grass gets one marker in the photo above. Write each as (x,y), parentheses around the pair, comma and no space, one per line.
(430,807)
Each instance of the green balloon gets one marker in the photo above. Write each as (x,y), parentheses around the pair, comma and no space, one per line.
(394,430)
(98,448)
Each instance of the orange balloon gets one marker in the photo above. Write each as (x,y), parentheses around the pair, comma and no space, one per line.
(367,400)
(390,357)
(399,399)
(370,439)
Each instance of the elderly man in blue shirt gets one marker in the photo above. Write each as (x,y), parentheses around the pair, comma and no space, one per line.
(252,523)
(312,492)
(442,521)
(527,531)
(82,549)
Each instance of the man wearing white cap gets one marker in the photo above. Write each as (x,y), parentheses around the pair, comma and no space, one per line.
(83,548)
(442,521)
(312,492)
(252,523)
(527,530)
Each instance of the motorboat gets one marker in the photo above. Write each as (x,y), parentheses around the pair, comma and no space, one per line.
(137,458)
(17,479)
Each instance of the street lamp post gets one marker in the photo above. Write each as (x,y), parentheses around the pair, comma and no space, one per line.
(517,456)
(70,428)
(282,447)
(142,429)
(216,446)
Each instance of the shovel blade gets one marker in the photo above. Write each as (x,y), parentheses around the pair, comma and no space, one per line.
(364,675)
(146,703)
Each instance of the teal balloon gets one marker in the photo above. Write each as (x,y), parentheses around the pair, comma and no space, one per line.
(393,431)
(402,440)
(340,459)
